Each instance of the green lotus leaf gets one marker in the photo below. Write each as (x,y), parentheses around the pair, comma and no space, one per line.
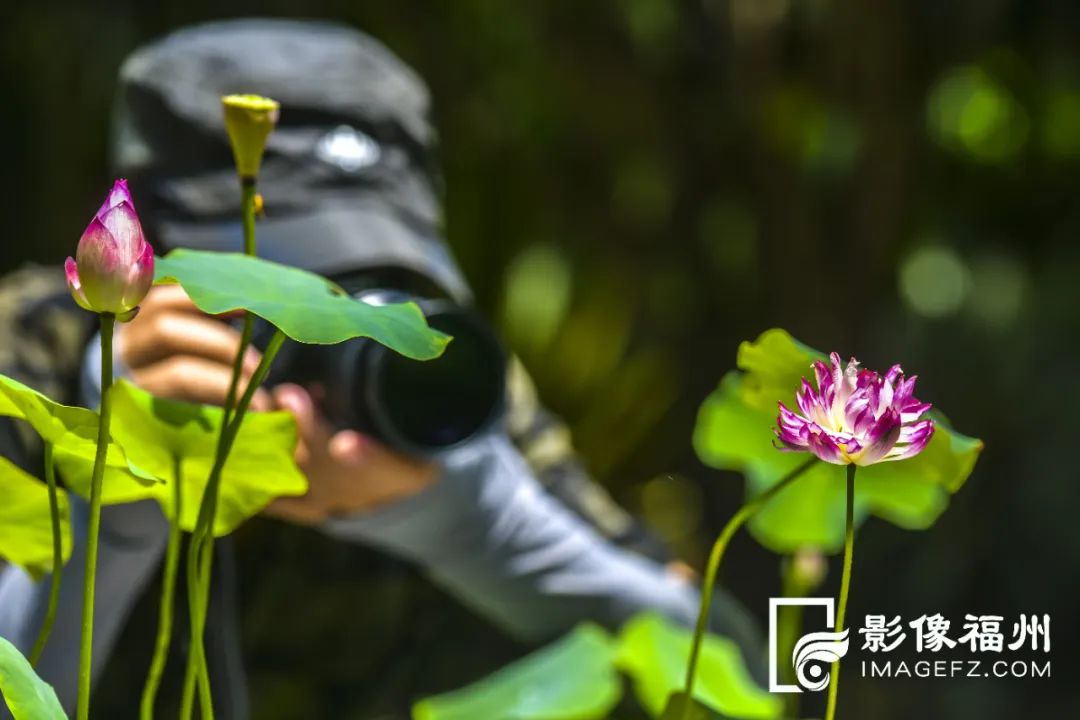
(676,709)
(71,430)
(26,537)
(156,433)
(28,697)
(734,432)
(654,652)
(574,678)
(306,307)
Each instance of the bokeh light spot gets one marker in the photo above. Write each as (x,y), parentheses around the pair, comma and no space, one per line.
(536,297)
(934,281)
(971,114)
(824,139)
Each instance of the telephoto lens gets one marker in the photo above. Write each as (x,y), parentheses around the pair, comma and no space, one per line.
(419,408)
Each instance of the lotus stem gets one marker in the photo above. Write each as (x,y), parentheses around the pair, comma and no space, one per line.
(746,512)
(200,549)
(845,587)
(168,593)
(93,524)
(58,557)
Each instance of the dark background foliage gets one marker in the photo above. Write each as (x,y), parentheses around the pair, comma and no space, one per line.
(634,187)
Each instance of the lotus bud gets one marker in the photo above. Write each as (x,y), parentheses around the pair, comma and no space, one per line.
(113,267)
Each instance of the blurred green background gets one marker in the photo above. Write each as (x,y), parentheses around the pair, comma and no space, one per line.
(636,186)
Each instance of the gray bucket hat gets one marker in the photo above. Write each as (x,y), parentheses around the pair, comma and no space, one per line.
(349,178)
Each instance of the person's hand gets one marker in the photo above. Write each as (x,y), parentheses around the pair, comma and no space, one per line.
(347,471)
(175,351)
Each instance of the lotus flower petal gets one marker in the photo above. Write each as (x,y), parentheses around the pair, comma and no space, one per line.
(123,224)
(826,448)
(118,194)
(72,273)
(140,277)
(855,415)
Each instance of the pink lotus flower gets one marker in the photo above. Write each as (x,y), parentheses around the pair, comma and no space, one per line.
(114,265)
(856,416)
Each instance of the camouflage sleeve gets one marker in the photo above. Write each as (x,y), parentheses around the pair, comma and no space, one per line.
(544,441)
(42,335)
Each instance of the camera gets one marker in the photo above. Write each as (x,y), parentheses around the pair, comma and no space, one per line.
(419,408)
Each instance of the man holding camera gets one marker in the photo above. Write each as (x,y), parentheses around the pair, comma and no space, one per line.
(491,507)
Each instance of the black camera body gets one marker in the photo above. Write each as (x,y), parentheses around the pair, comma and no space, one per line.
(419,408)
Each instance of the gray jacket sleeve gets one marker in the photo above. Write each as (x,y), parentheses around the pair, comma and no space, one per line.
(489,534)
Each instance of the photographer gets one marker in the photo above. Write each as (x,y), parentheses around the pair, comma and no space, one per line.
(351,192)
